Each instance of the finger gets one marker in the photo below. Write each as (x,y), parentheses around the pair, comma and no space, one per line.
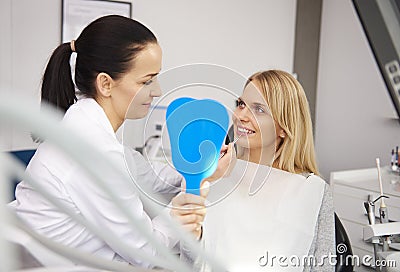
(200,210)
(183,185)
(224,148)
(192,227)
(187,199)
(228,149)
(204,189)
(231,147)
(191,218)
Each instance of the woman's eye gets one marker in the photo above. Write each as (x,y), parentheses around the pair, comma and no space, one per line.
(240,104)
(148,82)
(260,110)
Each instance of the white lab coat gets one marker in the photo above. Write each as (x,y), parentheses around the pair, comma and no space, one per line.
(66,180)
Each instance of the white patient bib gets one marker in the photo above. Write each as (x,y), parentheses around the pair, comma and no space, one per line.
(257,232)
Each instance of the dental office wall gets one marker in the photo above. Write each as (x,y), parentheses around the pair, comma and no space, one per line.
(30,30)
(355,118)
(245,36)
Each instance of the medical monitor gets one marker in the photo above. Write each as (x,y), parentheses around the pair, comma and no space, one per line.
(380,20)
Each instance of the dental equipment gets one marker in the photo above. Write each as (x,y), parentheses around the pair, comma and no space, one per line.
(383,213)
(370,209)
(383,232)
(234,142)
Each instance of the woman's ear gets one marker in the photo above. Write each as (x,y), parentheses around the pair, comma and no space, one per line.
(103,84)
(282,133)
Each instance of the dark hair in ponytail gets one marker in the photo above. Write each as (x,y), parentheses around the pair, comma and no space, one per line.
(57,86)
(108,45)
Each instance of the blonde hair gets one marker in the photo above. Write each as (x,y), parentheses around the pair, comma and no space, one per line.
(289,107)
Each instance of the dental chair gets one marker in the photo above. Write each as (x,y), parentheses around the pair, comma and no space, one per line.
(23,156)
(342,239)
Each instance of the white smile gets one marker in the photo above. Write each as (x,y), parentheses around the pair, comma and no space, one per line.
(245,130)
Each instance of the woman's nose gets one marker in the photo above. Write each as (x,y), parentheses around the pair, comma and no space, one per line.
(242,114)
(155,88)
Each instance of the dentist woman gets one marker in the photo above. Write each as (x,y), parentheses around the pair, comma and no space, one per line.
(117,63)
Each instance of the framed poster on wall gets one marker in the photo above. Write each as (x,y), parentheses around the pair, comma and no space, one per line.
(77,14)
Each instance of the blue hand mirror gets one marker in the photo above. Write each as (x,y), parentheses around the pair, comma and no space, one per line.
(197,130)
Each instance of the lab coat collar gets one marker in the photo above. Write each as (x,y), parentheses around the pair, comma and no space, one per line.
(96,113)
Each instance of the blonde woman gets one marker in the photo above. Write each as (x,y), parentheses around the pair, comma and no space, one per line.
(279,214)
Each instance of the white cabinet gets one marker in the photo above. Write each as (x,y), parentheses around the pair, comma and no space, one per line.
(350,190)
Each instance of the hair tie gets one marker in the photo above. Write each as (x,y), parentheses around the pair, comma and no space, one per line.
(73,46)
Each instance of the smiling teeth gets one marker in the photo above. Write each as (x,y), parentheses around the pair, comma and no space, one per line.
(244,130)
